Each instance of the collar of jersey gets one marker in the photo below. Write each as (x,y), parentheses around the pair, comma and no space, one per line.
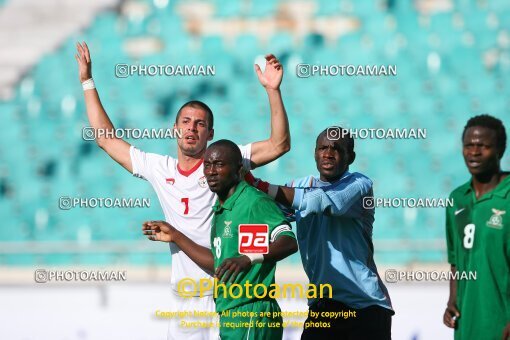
(229,203)
(324,183)
(186,173)
(500,190)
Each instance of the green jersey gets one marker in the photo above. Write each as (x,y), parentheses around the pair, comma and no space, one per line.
(247,205)
(478,240)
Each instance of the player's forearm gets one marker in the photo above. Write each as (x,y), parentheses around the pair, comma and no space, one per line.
(202,256)
(281,194)
(285,196)
(278,143)
(335,199)
(96,114)
(452,299)
(280,132)
(281,248)
(116,148)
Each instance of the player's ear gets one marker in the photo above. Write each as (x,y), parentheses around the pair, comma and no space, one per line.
(316,154)
(240,171)
(500,153)
(352,157)
(211,135)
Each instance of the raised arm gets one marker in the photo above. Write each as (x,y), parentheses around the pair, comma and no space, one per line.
(268,150)
(164,232)
(116,148)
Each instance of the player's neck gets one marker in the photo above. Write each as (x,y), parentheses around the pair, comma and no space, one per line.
(483,183)
(330,179)
(223,196)
(333,178)
(187,162)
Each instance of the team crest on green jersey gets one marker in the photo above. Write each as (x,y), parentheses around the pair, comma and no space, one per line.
(496,220)
(227,232)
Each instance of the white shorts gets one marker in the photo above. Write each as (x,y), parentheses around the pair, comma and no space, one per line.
(176,331)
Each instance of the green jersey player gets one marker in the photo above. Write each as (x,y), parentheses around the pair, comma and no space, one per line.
(245,220)
(478,237)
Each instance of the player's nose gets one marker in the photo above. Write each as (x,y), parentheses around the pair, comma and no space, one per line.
(194,126)
(475,151)
(210,171)
(328,154)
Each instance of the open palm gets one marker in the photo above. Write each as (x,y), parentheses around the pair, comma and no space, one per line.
(272,76)
(84,62)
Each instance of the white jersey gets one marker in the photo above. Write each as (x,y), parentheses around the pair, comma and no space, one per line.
(186,201)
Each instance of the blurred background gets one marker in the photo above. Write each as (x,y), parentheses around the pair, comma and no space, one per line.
(453,62)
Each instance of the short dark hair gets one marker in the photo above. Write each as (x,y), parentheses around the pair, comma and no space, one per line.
(342,132)
(234,151)
(492,123)
(197,104)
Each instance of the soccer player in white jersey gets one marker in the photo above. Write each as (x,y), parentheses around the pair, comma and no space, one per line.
(179,182)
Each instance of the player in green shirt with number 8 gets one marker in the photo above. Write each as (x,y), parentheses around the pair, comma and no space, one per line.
(478,237)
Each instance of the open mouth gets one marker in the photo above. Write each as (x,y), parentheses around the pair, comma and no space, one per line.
(191,139)
(474,164)
(212,181)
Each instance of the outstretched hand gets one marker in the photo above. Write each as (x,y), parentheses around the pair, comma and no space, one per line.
(84,62)
(272,76)
(159,231)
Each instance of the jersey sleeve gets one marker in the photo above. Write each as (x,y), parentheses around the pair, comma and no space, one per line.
(342,198)
(450,241)
(264,187)
(143,163)
(265,211)
(246,153)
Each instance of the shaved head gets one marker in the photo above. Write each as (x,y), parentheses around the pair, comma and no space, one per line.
(233,154)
